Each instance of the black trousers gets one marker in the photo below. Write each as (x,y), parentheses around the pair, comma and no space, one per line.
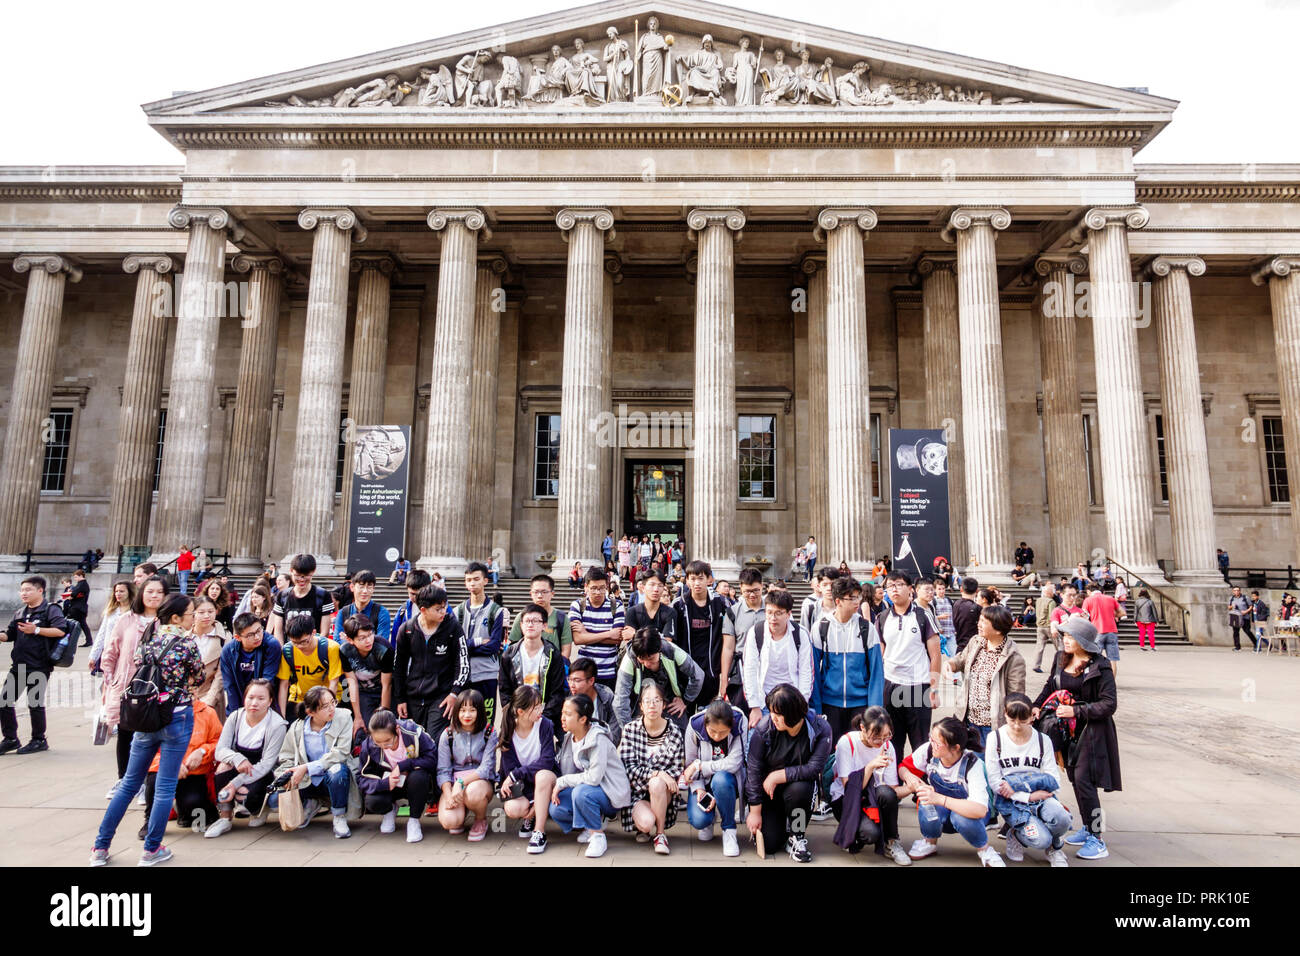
(256,789)
(1089,802)
(1236,634)
(416,790)
(80,621)
(427,712)
(124,738)
(839,718)
(868,830)
(191,799)
(792,802)
(20,680)
(909,711)
(488,688)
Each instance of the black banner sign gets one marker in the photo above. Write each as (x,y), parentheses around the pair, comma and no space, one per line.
(918,482)
(380,469)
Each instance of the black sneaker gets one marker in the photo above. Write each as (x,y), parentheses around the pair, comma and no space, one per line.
(537,843)
(526,828)
(1003,831)
(797,847)
(34,746)
(9,744)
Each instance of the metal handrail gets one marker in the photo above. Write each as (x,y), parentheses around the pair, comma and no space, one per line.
(1244,574)
(58,558)
(1159,592)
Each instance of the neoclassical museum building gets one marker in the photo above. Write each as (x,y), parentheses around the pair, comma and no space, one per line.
(668,268)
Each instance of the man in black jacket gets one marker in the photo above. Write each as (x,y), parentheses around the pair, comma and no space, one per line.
(77,606)
(966,613)
(34,631)
(430,663)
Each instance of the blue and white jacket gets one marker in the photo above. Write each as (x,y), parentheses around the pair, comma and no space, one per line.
(848,667)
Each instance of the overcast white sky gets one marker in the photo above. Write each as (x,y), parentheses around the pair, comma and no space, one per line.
(78,70)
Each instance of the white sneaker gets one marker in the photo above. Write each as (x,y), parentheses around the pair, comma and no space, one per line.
(597,845)
(1015,849)
(705,835)
(730,845)
(341,831)
(922,848)
(388,823)
(309,809)
(990,857)
(221,826)
(139,798)
(258,819)
(414,832)
(584,836)
(111,790)
(894,850)
(1057,857)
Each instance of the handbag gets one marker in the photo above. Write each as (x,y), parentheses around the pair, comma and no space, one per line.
(290,809)
(146,708)
(100,728)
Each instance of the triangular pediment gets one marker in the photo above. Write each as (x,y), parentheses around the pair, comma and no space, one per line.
(567,61)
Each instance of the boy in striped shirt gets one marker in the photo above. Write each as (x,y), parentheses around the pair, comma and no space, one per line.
(597,623)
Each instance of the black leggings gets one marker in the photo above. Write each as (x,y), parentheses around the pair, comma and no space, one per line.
(868,830)
(793,803)
(191,798)
(1089,802)
(256,789)
(416,791)
(124,738)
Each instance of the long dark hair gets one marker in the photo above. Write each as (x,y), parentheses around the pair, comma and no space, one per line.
(173,607)
(525,697)
(954,733)
(137,602)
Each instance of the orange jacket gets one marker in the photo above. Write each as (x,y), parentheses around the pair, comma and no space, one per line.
(207,732)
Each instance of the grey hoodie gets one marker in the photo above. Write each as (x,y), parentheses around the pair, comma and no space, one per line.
(276,728)
(594,760)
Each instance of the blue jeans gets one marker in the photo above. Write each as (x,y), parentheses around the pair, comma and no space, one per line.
(184,577)
(583,807)
(973,830)
(173,740)
(723,787)
(982,731)
(1048,828)
(335,786)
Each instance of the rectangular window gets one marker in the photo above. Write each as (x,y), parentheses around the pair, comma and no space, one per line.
(1275,459)
(875,457)
(546,457)
(1089,459)
(158,453)
(342,453)
(1160,458)
(57,433)
(756,438)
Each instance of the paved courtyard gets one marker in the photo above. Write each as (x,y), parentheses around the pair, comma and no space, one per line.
(1210,744)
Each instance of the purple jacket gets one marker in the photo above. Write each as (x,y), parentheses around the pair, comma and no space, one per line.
(421,754)
(545,761)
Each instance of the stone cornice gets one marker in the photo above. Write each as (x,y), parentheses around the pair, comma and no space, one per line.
(1276,267)
(341,218)
(181,217)
(159,264)
(1162,266)
(50,263)
(1201,192)
(89,193)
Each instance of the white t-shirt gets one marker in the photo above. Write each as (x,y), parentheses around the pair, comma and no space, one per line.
(811,550)
(248,736)
(782,662)
(976,781)
(529,748)
(1004,756)
(645,549)
(906,659)
(851,755)
(532,666)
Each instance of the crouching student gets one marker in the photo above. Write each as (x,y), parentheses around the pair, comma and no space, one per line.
(866,788)
(1024,778)
(317,754)
(787,753)
(949,779)
(466,767)
(652,752)
(715,771)
(398,761)
(593,783)
(527,747)
(193,793)
(247,753)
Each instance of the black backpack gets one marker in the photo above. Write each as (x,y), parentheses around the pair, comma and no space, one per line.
(145,707)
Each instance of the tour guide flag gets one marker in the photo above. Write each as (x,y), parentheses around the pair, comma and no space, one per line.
(380,469)
(918,510)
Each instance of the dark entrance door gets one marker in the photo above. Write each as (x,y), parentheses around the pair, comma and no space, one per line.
(654,497)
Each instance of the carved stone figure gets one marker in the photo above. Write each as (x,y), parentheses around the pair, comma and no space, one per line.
(618,68)
(882,95)
(810,87)
(651,49)
(779,81)
(438,89)
(550,82)
(701,72)
(511,82)
(376,92)
(744,73)
(583,70)
(471,88)
(852,88)
(296,100)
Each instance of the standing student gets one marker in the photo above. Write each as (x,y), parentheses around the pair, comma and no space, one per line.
(184,564)
(650,660)
(35,630)
(363,603)
(252,655)
(210,637)
(593,783)
(652,610)
(534,662)
(247,752)
(170,651)
(607,546)
(398,761)
(1093,761)
(303,600)
(367,668)
(965,613)
(118,607)
(715,771)
(192,798)
(556,631)
(430,663)
(810,557)
(1104,612)
(117,661)
(1069,607)
(526,745)
(217,593)
(1145,615)
(484,623)
(1024,778)
(866,780)
(415,581)
(467,757)
(1043,609)
(317,754)
(597,624)
(582,683)
(787,753)
(1239,617)
(776,652)
(747,612)
(624,555)
(76,607)
(307,659)
(819,601)
(848,673)
(993,669)
(652,752)
(1259,613)
(700,620)
(911,663)
(942,608)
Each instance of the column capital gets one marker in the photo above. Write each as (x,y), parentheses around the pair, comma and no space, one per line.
(247,263)
(341,217)
(214,217)
(497,263)
(50,263)
(832,217)
(614,266)
(473,219)
(701,217)
(931,263)
(379,261)
(1099,217)
(1274,268)
(569,217)
(1161,266)
(966,217)
(157,263)
(1051,262)
(813,263)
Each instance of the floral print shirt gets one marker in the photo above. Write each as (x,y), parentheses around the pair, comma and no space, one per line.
(181,669)
(982,670)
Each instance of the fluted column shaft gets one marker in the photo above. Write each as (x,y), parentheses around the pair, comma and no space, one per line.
(1125,454)
(250,436)
(582,397)
(613,275)
(183,480)
(983,392)
(446,469)
(1282,275)
(818,426)
(489,303)
(320,390)
(941,334)
(29,405)
(848,391)
(1191,504)
(131,494)
(1063,453)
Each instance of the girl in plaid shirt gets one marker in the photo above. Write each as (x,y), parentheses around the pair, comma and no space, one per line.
(653,751)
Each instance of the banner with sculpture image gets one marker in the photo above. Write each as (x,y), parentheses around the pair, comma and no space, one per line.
(380,468)
(918,506)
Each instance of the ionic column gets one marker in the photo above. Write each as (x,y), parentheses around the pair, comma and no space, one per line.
(446,470)
(183,478)
(609,453)
(131,495)
(1125,454)
(489,304)
(579,523)
(250,435)
(983,391)
(29,406)
(1282,275)
(848,389)
(366,390)
(814,266)
(320,392)
(1063,454)
(940,332)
